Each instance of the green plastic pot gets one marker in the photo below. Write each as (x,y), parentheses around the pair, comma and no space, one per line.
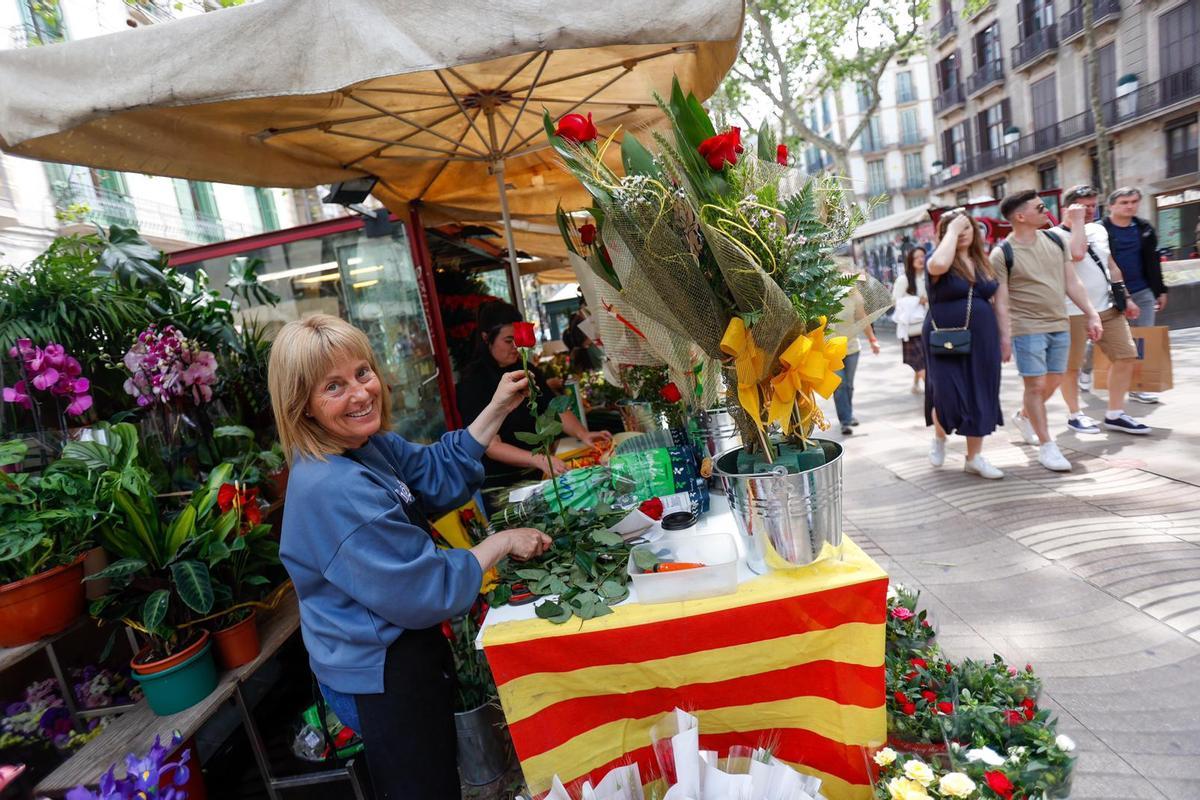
(181,686)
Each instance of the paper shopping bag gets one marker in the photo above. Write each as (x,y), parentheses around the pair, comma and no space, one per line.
(1153,372)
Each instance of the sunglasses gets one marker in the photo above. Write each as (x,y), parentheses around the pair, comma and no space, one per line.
(1088,192)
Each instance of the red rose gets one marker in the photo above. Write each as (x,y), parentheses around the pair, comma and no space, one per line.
(925,624)
(919,662)
(722,149)
(587,234)
(652,508)
(909,709)
(1030,714)
(467,514)
(576,128)
(946,707)
(949,668)
(447,631)
(1028,702)
(930,697)
(901,698)
(1029,667)
(910,675)
(1014,718)
(523,334)
(999,783)
(670,393)
(781,155)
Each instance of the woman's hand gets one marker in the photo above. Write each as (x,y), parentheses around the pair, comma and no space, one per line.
(511,391)
(555,463)
(1005,350)
(598,438)
(958,225)
(525,543)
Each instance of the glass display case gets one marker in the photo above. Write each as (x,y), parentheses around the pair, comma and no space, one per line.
(369,281)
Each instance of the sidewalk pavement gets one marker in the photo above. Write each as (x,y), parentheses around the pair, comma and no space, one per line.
(1093,575)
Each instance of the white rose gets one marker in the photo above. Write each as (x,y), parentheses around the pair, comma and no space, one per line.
(987,755)
(1064,742)
(885,757)
(955,784)
(918,771)
(1015,754)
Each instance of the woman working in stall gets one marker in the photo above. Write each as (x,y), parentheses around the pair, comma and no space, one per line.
(373,588)
(508,460)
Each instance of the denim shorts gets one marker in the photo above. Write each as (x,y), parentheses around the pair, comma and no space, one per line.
(1041,353)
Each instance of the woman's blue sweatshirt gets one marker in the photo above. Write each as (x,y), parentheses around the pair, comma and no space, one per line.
(363,572)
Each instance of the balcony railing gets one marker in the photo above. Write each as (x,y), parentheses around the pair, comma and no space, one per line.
(914,183)
(946,27)
(909,96)
(949,99)
(872,145)
(1183,163)
(987,75)
(1146,101)
(1036,47)
(151,219)
(911,138)
(1070,24)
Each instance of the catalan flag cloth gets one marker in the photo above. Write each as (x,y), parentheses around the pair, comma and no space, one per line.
(792,661)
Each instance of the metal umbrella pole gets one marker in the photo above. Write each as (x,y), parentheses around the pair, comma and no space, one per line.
(513,267)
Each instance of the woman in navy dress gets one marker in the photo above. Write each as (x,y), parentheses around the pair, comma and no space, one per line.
(962,393)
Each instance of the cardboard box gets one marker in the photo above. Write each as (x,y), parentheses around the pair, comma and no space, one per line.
(1153,371)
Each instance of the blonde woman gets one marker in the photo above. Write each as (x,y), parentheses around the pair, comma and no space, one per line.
(372,586)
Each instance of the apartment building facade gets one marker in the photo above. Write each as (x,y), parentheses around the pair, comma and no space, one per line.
(1012,105)
(39,201)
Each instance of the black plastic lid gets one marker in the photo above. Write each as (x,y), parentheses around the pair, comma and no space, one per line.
(678,521)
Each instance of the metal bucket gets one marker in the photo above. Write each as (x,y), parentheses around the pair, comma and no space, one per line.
(483,752)
(786,521)
(639,416)
(717,432)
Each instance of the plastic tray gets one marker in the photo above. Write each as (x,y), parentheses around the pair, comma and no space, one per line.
(717,551)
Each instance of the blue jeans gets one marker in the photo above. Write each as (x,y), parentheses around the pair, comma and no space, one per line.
(1144,299)
(843,396)
(1039,353)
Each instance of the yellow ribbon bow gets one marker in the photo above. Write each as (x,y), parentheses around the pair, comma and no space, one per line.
(810,365)
(749,360)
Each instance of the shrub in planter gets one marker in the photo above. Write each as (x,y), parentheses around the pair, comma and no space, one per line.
(47,521)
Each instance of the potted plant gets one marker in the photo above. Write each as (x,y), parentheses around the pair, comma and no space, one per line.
(46,526)
(160,584)
(908,629)
(1127,95)
(483,749)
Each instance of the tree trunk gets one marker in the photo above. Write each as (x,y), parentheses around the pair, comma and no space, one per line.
(1103,154)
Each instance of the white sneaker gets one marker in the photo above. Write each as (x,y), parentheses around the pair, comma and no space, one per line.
(1050,457)
(983,468)
(1149,398)
(937,452)
(1024,427)
(1085,381)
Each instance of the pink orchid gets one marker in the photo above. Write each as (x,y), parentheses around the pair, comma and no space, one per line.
(45,379)
(79,405)
(18,394)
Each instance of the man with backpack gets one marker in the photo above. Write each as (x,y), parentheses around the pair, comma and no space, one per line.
(1036,265)
(1105,285)
(1135,249)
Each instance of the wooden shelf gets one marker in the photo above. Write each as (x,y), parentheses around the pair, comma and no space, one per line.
(11,656)
(134,731)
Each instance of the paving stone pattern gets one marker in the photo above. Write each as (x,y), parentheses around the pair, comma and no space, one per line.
(1093,575)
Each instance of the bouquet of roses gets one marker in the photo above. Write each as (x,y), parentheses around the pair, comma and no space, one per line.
(920,699)
(908,628)
(1040,768)
(902,777)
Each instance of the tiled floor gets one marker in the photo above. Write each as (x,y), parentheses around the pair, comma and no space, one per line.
(1094,576)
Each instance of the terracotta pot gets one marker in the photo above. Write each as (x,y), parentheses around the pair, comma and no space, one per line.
(41,605)
(94,561)
(238,644)
(151,667)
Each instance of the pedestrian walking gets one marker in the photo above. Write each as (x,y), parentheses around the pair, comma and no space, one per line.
(1037,267)
(849,322)
(1134,245)
(912,301)
(965,338)
(1102,278)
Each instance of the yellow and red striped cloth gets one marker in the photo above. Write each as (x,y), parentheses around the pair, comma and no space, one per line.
(792,661)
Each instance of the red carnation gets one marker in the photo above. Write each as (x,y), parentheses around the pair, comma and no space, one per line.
(919,662)
(909,709)
(1013,718)
(999,783)
(930,697)
(781,155)
(946,707)
(576,128)
(523,334)
(587,234)
(652,508)
(722,149)
(670,393)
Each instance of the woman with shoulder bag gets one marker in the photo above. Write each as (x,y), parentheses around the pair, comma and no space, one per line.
(966,337)
(909,316)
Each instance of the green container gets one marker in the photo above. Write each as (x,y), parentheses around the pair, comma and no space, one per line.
(182,686)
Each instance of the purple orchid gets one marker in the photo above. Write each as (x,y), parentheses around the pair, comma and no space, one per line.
(49,369)
(165,365)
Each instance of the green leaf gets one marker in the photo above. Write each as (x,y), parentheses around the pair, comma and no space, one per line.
(766,142)
(118,569)
(256,580)
(645,560)
(636,158)
(614,591)
(154,610)
(531,574)
(218,551)
(500,595)
(553,612)
(182,528)
(143,528)
(194,585)
(528,438)
(607,538)
(233,432)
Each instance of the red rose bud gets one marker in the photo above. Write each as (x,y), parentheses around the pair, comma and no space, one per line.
(1029,667)
(1014,718)
(781,155)
(949,668)
(576,128)
(901,698)
(910,676)
(722,149)
(930,697)
(999,783)
(1030,714)
(467,514)
(587,234)
(670,393)
(1028,702)
(447,631)
(919,662)
(946,707)
(909,709)
(652,508)
(523,334)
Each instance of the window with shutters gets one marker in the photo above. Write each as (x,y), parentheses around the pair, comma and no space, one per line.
(1108,76)
(905,92)
(1048,176)
(41,22)
(264,201)
(876,178)
(1035,15)
(1043,95)
(999,189)
(991,123)
(914,170)
(825,118)
(910,127)
(198,208)
(1179,39)
(1182,147)
(961,197)
(954,144)
(882,210)
(947,72)
(987,46)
